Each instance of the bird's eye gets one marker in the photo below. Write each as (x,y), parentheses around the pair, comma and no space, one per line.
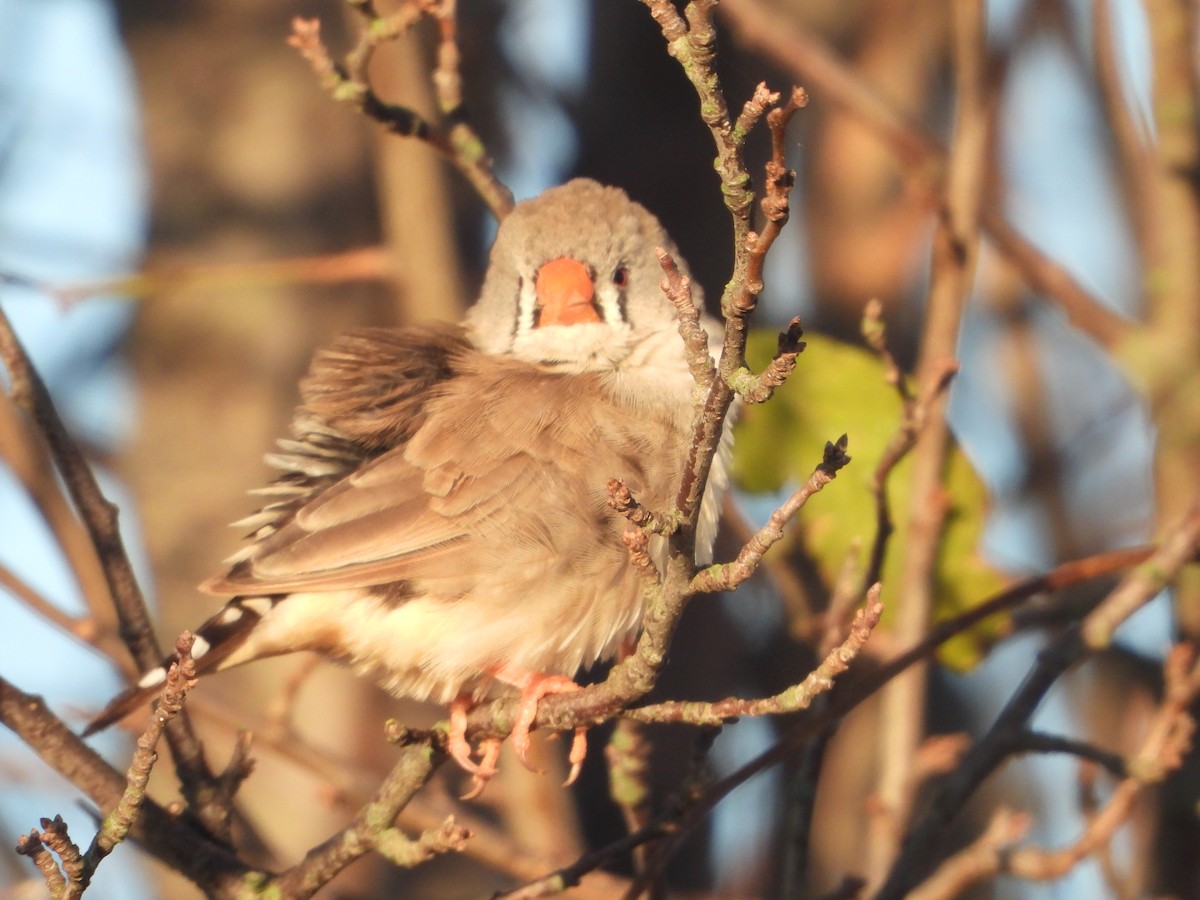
(620,276)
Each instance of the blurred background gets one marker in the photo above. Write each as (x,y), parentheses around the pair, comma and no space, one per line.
(196,145)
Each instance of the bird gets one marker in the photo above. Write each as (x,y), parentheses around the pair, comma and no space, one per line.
(440,521)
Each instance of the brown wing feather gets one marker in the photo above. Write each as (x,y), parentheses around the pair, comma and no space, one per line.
(521,432)
(363,396)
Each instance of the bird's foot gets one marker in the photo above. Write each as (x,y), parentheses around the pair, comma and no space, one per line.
(534,687)
(489,754)
(460,749)
(456,744)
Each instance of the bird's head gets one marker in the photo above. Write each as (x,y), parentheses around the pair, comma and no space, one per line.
(573,280)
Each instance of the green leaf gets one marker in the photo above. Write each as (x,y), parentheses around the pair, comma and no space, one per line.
(839,388)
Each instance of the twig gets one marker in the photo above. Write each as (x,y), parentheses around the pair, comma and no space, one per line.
(100,518)
(622,501)
(955,249)
(1167,741)
(628,757)
(371,829)
(853,692)
(760,388)
(1131,140)
(348,788)
(696,776)
(914,414)
(918,854)
(78,868)
(115,827)
(692,42)
(349,82)
(1030,741)
(803,54)
(82,628)
(175,840)
(28,460)
(977,861)
(569,876)
(678,288)
(1145,582)
(800,814)
(727,576)
(794,698)
(802,619)
(361,264)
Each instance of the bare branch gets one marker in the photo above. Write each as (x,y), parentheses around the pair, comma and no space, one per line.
(349,83)
(100,518)
(622,501)
(796,697)
(760,388)
(807,57)
(727,576)
(1144,583)
(678,288)
(628,757)
(115,827)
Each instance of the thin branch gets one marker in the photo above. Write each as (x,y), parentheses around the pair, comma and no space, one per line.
(800,52)
(30,845)
(81,627)
(1031,741)
(28,459)
(914,414)
(977,861)
(919,851)
(797,697)
(116,826)
(678,288)
(727,576)
(371,828)
(570,876)
(1130,138)
(349,82)
(691,41)
(1145,582)
(760,388)
(176,840)
(955,250)
(1167,742)
(854,691)
(622,501)
(100,518)
(628,757)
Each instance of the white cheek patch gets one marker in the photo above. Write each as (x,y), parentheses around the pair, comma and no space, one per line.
(609,299)
(526,309)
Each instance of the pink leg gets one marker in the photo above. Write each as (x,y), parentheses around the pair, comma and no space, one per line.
(456,743)
(578,754)
(533,687)
(486,768)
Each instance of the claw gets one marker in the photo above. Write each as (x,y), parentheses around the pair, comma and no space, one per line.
(533,688)
(578,753)
(456,743)
(485,770)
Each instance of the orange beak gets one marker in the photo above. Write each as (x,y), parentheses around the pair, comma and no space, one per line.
(565,293)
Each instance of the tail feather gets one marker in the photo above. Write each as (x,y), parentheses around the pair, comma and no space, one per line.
(215,641)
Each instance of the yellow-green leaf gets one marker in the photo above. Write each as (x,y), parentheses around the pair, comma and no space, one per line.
(839,389)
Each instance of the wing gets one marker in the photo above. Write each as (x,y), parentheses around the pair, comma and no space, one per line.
(363,396)
(494,436)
